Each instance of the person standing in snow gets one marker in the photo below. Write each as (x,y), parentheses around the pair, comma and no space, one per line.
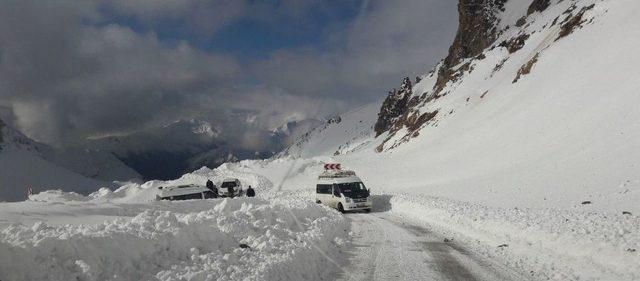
(212,187)
(251,192)
(230,192)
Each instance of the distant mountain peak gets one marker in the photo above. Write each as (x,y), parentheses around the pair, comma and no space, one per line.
(205,128)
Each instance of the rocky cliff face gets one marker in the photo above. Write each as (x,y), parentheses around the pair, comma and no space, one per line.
(394,107)
(477,31)
(538,6)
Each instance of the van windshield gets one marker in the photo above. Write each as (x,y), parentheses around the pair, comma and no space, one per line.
(229,184)
(353,189)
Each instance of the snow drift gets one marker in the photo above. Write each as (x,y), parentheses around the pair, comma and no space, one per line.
(234,240)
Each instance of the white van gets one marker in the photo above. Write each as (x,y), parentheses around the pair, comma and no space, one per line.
(185,192)
(231,187)
(343,190)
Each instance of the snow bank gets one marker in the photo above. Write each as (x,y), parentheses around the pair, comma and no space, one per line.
(547,243)
(58,196)
(171,245)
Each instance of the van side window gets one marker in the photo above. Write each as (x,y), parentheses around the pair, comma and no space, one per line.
(323,189)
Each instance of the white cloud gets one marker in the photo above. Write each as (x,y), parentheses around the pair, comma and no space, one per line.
(387,41)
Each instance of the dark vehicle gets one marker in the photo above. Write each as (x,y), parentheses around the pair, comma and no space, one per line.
(231,188)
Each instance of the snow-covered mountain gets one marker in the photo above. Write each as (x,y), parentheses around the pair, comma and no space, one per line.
(27,163)
(169,151)
(535,105)
(518,153)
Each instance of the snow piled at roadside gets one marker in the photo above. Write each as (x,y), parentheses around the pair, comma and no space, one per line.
(171,245)
(583,242)
(547,243)
(58,195)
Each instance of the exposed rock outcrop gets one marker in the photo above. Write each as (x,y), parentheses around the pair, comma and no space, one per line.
(393,107)
(538,6)
(334,120)
(573,22)
(515,44)
(526,68)
(477,30)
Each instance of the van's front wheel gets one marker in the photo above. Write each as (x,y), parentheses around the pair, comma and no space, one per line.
(340,208)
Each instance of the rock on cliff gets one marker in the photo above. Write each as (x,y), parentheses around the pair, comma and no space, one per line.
(394,107)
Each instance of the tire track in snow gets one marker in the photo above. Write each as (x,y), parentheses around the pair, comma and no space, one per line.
(386,248)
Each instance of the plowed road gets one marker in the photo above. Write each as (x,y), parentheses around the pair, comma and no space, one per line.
(387,248)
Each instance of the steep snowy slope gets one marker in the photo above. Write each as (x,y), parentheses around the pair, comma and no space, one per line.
(95,164)
(26,163)
(20,169)
(337,135)
(542,114)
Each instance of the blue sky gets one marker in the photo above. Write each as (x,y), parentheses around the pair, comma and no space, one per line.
(250,37)
(256,39)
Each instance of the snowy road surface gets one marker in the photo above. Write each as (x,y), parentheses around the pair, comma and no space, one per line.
(386,248)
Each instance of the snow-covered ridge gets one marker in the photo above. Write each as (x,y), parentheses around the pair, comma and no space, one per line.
(95,164)
(347,133)
(26,163)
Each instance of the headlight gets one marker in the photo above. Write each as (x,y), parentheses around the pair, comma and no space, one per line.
(348,200)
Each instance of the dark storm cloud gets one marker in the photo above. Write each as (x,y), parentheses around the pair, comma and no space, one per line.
(65,72)
(206,17)
(203,16)
(68,71)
